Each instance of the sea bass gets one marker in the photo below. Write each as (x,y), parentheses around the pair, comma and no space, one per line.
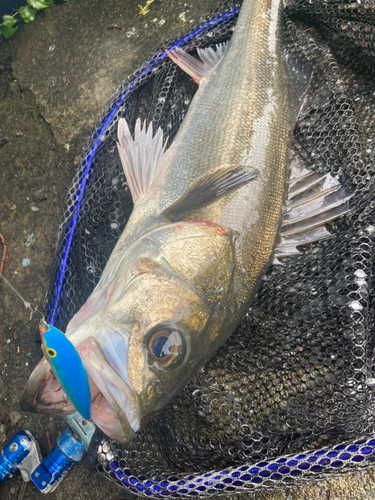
(207,221)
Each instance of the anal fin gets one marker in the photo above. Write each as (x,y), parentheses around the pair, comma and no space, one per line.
(313,201)
(315,221)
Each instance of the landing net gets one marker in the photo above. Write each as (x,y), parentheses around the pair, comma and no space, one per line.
(298,374)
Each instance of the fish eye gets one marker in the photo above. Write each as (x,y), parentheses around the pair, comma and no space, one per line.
(51,352)
(165,346)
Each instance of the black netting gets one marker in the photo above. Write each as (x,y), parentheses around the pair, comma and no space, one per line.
(298,373)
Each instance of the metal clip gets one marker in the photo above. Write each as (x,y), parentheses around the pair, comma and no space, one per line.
(31,462)
(82,429)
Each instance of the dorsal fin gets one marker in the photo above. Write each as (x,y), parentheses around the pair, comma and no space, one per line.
(141,158)
(313,200)
(209,58)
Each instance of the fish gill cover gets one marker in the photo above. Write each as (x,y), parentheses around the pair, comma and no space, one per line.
(298,373)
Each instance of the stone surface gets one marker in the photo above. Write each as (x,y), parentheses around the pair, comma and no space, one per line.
(73,63)
(56,75)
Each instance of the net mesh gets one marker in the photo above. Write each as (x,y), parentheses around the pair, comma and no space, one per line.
(298,373)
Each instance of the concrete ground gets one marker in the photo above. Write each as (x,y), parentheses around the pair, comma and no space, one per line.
(56,75)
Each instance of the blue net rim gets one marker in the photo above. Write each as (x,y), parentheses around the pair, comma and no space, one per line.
(284,471)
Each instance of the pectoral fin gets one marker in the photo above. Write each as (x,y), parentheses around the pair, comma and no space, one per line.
(142,158)
(208,189)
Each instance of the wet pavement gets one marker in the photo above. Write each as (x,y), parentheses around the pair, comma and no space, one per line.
(56,75)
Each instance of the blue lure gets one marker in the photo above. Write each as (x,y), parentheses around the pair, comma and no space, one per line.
(67,366)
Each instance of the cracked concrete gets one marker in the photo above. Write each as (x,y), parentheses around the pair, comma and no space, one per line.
(56,75)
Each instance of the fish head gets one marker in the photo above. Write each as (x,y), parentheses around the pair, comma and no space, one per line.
(163,315)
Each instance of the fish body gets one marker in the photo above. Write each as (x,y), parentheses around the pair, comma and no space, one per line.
(204,227)
(241,115)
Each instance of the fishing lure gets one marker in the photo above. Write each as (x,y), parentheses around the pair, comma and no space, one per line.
(63,358)
(67,366)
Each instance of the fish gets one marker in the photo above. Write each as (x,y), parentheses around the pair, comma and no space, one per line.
(67,367)
(211,212)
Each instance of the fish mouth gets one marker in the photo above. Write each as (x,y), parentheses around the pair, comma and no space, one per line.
(114,407)
(43,393)
(112,395)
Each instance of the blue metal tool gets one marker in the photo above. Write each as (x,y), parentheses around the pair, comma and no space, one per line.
(22,454)
(52,470)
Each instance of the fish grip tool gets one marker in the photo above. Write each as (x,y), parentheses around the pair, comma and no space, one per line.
(22,453)
(298,373)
